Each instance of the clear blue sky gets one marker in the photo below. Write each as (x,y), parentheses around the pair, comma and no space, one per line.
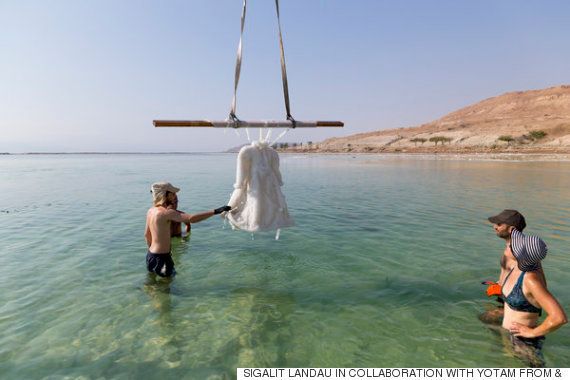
(91,75)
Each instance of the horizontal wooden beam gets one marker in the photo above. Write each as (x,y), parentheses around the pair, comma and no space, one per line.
(245,124)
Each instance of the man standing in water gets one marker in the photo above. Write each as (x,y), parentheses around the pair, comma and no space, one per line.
(503,224)
(158,227)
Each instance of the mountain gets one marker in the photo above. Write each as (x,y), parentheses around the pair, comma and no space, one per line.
(536,120)
(235,149)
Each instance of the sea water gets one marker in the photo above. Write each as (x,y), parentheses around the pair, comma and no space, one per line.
(383,267)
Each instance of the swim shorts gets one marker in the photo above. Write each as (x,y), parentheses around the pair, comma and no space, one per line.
(160,263)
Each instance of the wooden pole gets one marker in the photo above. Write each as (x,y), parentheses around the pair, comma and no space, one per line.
(245,124)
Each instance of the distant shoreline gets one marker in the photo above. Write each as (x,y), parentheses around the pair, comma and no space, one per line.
(96,153)
(418,151)
(550,157)
(431,150)
(453,155)
(475,156)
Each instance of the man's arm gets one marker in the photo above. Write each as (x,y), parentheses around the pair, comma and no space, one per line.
(182,217)
(147,234)
(195,218)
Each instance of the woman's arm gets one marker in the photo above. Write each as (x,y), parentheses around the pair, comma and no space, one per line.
(556,316)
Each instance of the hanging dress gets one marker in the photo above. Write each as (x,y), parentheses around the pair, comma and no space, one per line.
(257,201)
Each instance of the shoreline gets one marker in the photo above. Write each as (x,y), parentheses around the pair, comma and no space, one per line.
(450,155)
(516,157)
(536,154)
(433,150)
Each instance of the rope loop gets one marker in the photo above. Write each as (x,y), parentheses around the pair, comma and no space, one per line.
(234,120)
(292,120)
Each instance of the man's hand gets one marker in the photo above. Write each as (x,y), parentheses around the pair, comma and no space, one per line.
(219,210)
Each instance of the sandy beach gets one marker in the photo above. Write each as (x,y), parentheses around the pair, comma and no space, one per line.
(448,155)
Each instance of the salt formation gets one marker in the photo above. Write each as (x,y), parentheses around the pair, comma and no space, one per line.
(257,201)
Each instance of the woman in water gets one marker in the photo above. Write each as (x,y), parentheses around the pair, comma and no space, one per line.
(526,296)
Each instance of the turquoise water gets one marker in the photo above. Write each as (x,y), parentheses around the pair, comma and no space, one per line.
(382,270)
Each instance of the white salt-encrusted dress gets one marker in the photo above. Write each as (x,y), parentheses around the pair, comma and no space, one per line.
(257,201)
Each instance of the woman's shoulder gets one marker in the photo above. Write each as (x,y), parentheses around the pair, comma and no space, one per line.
(534,279)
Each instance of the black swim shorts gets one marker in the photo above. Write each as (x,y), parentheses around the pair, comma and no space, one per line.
(160,263)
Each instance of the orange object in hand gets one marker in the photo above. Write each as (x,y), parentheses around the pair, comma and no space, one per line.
(493,289)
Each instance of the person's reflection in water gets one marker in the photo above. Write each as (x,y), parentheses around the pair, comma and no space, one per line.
(158,289)
(163,292)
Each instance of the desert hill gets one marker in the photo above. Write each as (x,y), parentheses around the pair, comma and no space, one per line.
(536,120)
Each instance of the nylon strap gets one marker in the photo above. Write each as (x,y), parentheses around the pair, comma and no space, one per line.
(283,68)
(232,116)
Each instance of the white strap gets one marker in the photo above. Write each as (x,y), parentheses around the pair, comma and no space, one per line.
(279,137)
(268,136)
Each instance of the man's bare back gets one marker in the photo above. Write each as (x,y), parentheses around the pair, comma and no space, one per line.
(158,220)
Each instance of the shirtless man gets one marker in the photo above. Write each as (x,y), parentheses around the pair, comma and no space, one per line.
(503,224)
(158,230)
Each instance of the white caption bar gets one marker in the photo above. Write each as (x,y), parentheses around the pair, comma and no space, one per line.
(401,373)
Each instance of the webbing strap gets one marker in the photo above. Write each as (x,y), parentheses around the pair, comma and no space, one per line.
(283,68)
(232,116)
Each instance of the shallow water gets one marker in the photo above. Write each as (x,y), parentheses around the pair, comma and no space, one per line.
(382,270)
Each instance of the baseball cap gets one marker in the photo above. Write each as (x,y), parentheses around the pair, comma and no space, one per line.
(510,217)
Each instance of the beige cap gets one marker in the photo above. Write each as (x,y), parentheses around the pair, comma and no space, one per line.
(162,187)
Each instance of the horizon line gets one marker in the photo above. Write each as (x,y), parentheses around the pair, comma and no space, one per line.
(55,153)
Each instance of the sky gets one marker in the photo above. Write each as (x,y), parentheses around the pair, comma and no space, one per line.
(92,75)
